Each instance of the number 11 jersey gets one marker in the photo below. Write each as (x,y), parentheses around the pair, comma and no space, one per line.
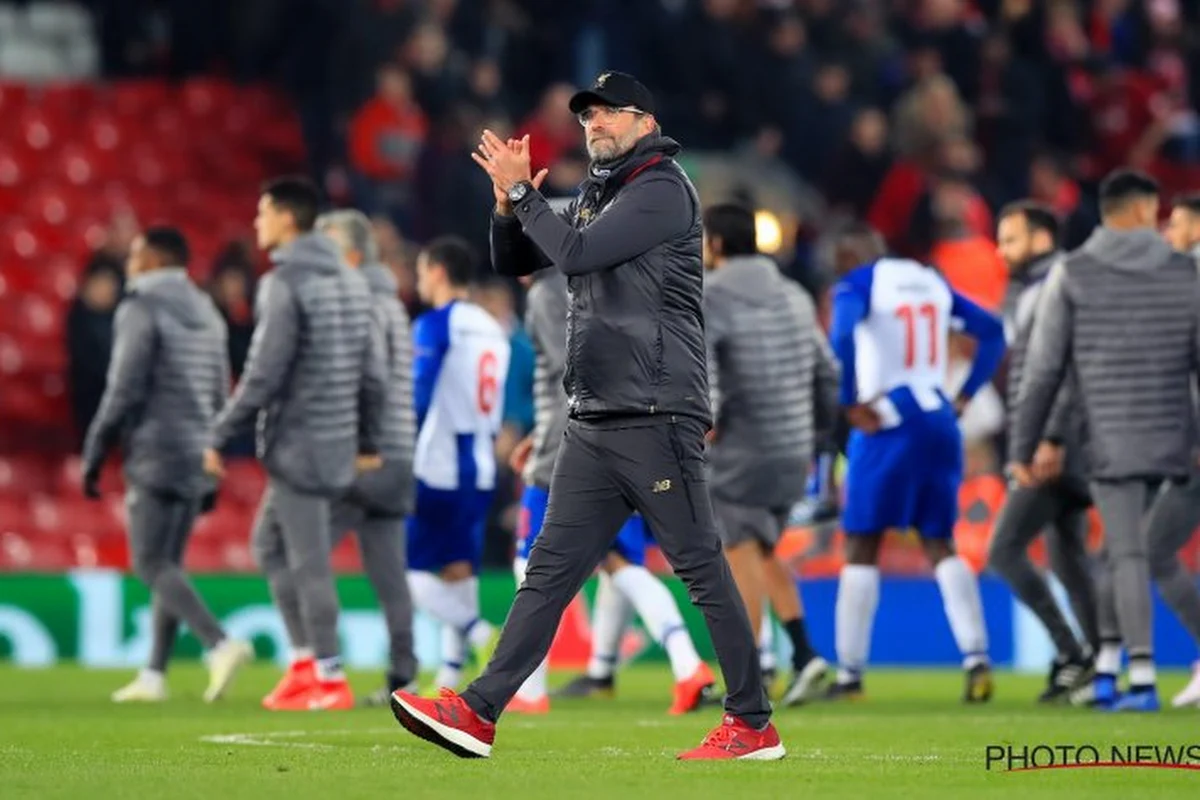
(901,314)
(460,365)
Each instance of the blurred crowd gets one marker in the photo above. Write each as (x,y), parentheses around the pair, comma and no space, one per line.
(921,116)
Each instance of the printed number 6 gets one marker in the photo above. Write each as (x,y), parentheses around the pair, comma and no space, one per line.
(486,394)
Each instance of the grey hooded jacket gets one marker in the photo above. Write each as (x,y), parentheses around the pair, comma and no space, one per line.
(168,377)
(399,428)
(546,323)
(1065,424)
(773,379)
(1123,310)
(314,376)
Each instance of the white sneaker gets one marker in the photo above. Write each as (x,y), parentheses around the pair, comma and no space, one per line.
(805,684)
(145,688)
(1190,696)
(223,663)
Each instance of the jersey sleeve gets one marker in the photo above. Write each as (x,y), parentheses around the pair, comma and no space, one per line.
(987,330)
(851,304)
(431,342)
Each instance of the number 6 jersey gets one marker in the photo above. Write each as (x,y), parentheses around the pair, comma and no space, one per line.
(891,325)
(460,366)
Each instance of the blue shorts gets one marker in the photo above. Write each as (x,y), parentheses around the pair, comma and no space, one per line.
(630,543)
(905,477)
(447,526)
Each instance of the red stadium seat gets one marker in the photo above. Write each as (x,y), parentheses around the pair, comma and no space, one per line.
(12,357)
(14,169)
(205,97)
(76,166)
(346,556)
(69,480)
(48,203)
(21,551)
(66,100)
(41,318)
(18,239)
(38,131)
(13,97)
(104,131)
(14,511)
(244,482)
(73,516)
(227,522)
(134,98)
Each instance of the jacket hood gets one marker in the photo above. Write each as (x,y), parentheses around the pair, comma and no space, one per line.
(648,147)
(1140,250)
(171,290)
(310,251)
(1038,267)
(751,277)
(380,279)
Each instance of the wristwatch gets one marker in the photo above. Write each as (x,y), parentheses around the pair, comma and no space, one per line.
(518,191)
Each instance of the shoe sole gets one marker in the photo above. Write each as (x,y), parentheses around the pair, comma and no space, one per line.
(765,754)
(808,684)
(774,753)
(424,727)
(139,699)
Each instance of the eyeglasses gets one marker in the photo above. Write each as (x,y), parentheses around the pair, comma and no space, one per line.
(605,113)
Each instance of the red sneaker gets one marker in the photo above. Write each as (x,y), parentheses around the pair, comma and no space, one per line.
(689,693)
(321,696)
(735,739)
(300,678)
(447,722)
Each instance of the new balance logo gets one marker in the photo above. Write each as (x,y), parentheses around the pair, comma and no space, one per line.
(661,486)
(447,714)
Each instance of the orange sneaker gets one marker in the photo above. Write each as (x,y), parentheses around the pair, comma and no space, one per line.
(520,706)
(689,693)
(321,696)
(301,676)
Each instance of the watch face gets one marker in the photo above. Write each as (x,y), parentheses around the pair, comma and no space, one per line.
(517,192)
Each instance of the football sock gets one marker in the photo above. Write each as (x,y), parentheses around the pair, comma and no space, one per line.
(857,598)
(454,653)
(439,600)
(465,594)
(1108,662)
(802,651)
(656,606)
(1141,671)
(330,669)
(964,609)
(766,643)
(609,619)
(534,687)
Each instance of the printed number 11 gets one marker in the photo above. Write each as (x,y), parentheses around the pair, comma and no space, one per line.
(909,316)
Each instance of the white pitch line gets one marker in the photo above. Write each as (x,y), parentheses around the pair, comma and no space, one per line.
(270,738)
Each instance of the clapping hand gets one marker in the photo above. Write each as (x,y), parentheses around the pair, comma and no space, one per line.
(507,164)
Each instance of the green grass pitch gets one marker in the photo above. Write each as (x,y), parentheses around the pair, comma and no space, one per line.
(60,737)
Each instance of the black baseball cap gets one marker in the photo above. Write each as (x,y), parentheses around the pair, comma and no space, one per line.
(614,89)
